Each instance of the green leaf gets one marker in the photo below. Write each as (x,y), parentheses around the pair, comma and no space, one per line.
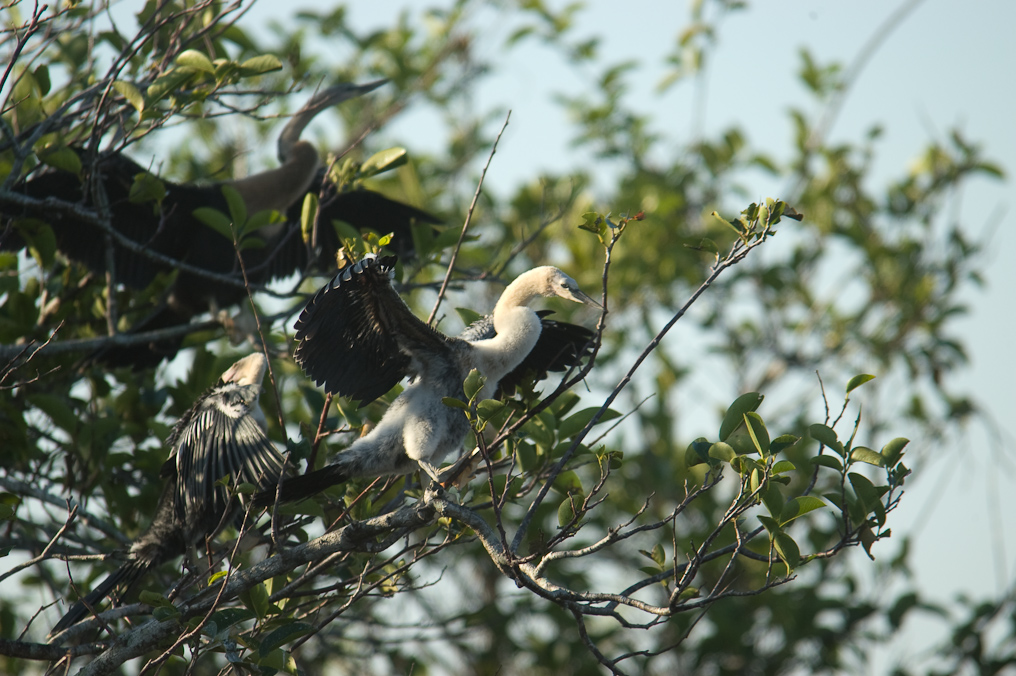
(862,454)
(131,93)
(577,422)
(689,593)
(772,498)
(6,512)
(216,220)
(893,451)
(566,510)
(308,216)
(237,208)
(735,414)
(788,550)
(467,316)
(592,221)
(722,451)
(166,83)
(705,244)
(697,452)
(218,575)
(282,636)
(782,442)
(384,160)
(744,463)
(245,488)
(828,461)
(733,225)
(256,599)
(799,507)
(452,402)
(146,188)
(568,482)
(154,599)
(266,63)
(227,617)
(865,490)
(262,218)
(758,432)
(61,157)
(826,435)
(783,466)
(857,381)
(42,79)
(191,58)
(771,524)
(474,381)
(488,408)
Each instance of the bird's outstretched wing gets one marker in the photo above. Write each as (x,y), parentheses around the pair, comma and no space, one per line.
(561,346)
(357,336)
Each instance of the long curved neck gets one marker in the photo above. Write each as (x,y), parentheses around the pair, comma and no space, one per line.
(279,188)
(519,294)
(518,328)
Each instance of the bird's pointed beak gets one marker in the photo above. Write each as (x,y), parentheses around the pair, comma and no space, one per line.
(370,86)
(581,297)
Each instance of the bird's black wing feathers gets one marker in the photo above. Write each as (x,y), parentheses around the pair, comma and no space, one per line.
(561,346)
(357,336)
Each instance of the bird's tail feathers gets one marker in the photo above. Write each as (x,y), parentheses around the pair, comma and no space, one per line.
(124,577)
(304,486)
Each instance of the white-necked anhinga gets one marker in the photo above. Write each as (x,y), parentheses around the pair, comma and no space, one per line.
(222,435)
(358,338)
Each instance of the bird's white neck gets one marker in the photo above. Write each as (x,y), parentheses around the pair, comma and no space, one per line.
(518,328)
(520,293)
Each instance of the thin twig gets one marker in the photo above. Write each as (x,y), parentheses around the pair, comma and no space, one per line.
(465,225)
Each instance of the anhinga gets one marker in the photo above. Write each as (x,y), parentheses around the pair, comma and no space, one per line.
(358,339)
(222,435)
(173,231)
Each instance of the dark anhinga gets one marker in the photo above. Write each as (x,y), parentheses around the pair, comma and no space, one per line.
(222,435)
(358,339)
(172,230)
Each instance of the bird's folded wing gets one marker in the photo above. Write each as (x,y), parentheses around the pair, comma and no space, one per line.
(217,444)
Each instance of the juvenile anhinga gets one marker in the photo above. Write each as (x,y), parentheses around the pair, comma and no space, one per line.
(222,435)
(358,339)
(173,231)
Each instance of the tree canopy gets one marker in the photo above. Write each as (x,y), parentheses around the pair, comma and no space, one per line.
(595,534)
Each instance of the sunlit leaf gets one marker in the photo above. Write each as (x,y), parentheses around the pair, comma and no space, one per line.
(862,454)
(799,506)
(734,417)
(857,381)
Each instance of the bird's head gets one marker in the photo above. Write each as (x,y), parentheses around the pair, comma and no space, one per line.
(557,283)
(248,371)
(327,98)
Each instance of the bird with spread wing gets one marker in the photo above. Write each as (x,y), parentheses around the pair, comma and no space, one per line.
(358,339)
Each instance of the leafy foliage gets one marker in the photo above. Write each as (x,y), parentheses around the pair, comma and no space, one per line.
(592,535)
